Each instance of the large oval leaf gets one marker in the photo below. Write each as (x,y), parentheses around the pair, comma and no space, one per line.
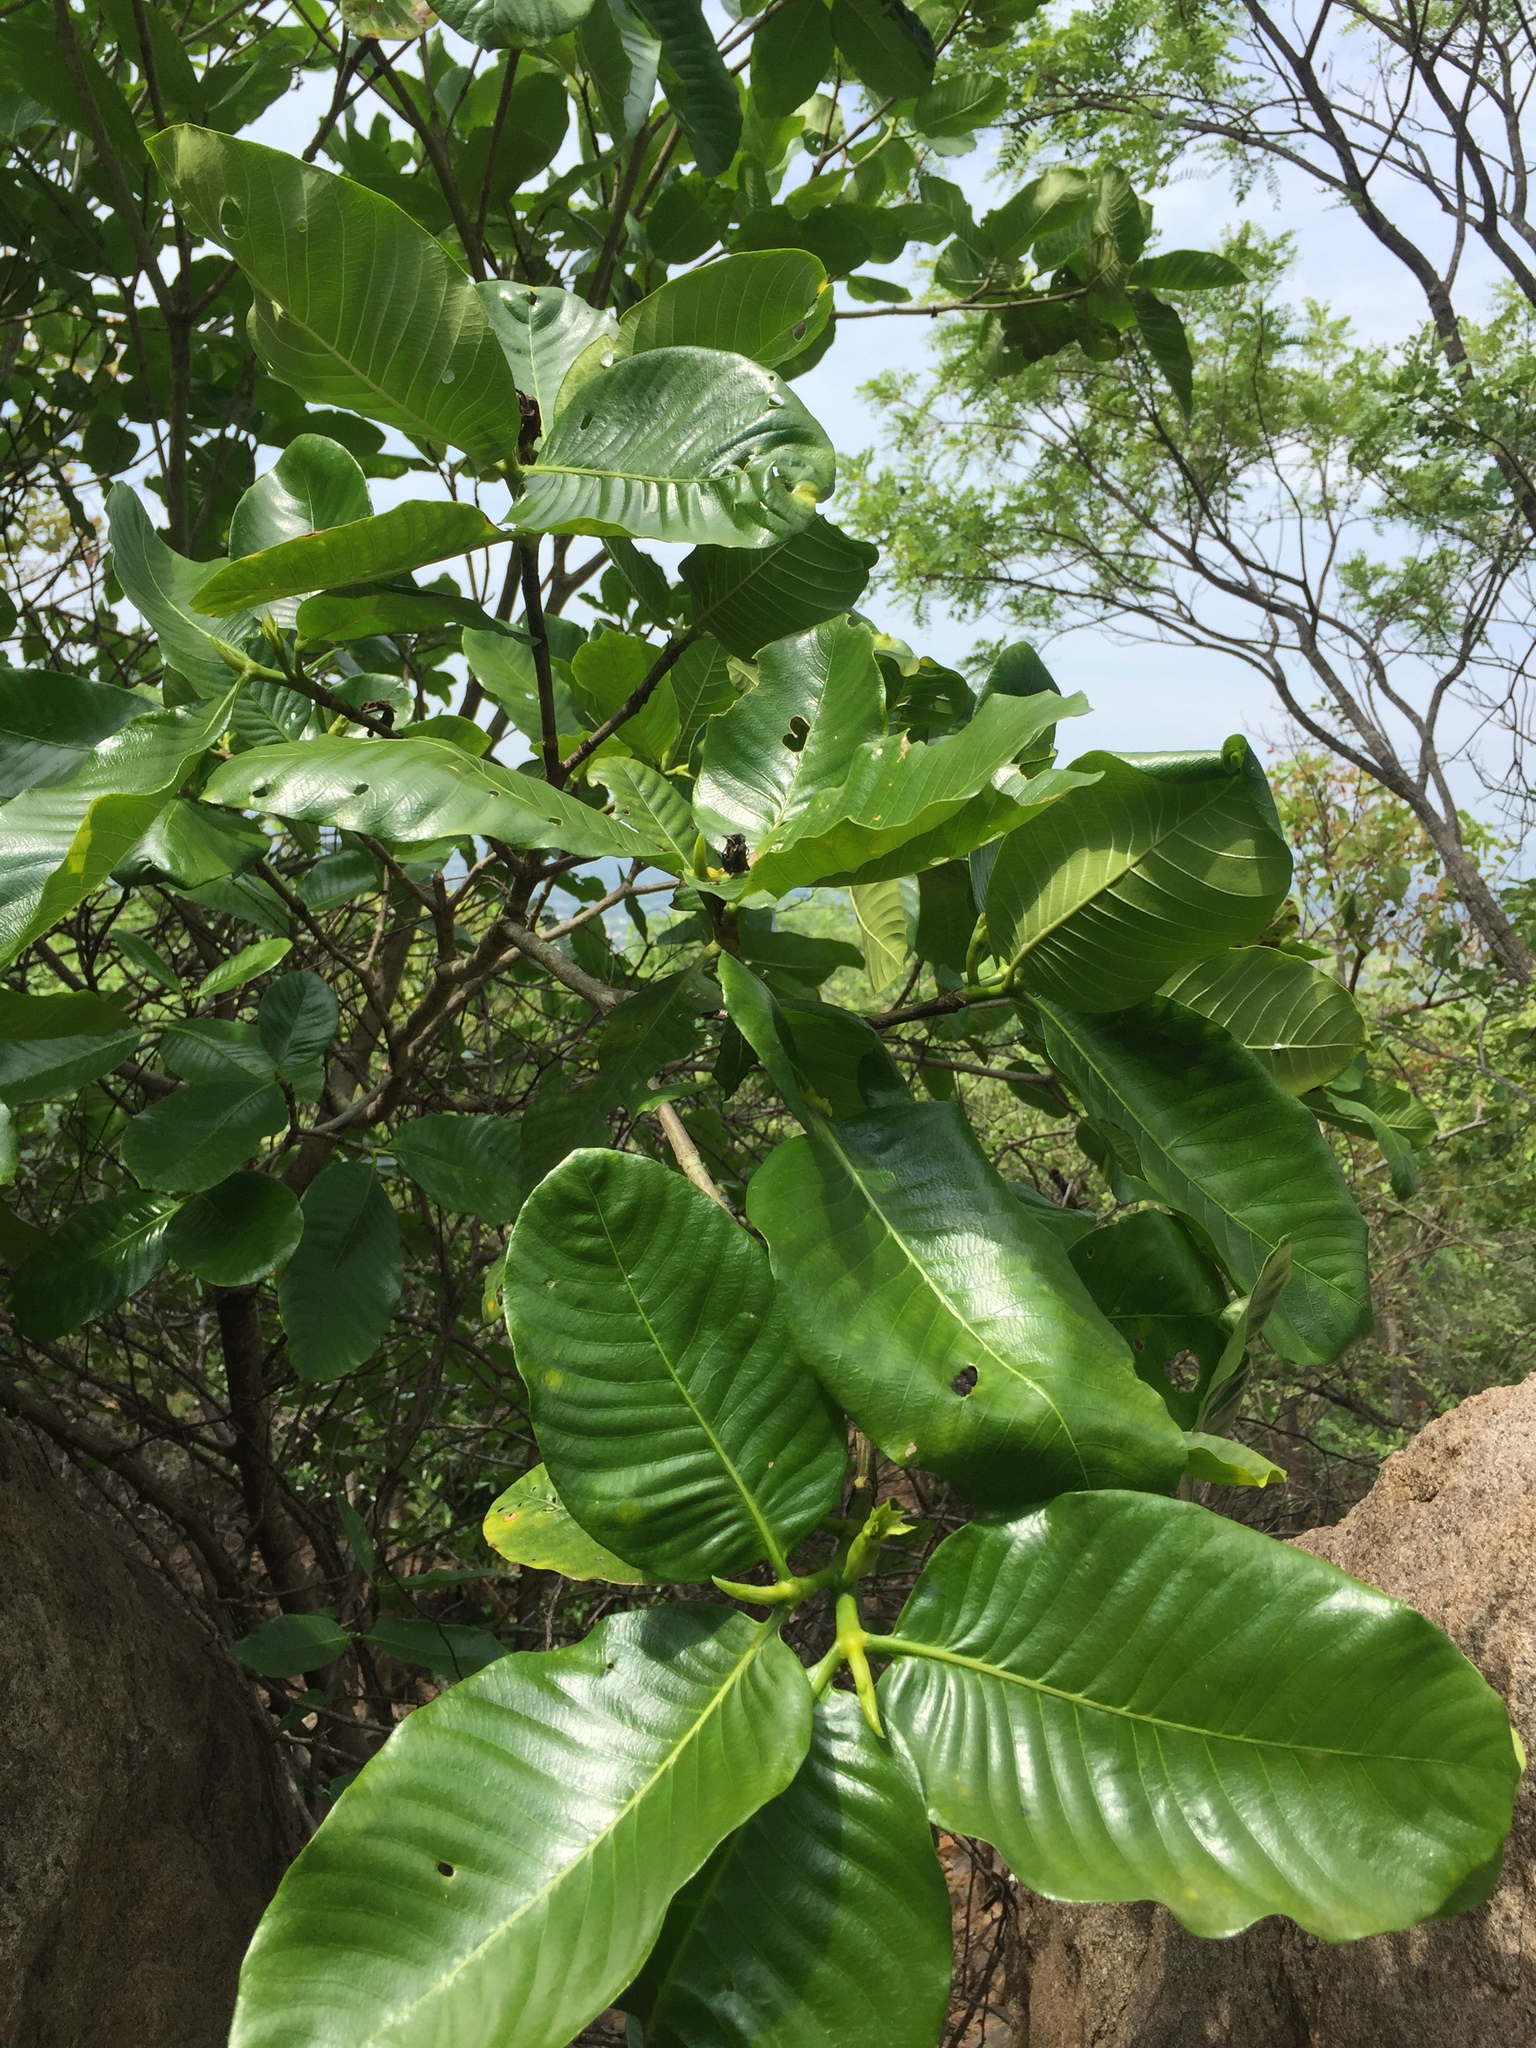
(423,530)
(700,89)
(51,724)
(1134,1698)
(1163,1295)
(946,1320)
(510,24)
(340,1287)
(1220,1141)
(1164,859)
(828,1890)
(356,306)
(1303,1025)
(542,331)
(160,584)
(501,1868)
(530,1524)
(199,1135)
(767,304)
(315,483)
(680,444)
(745,599)
(467,1164)
(237,1232)
(673,1411)
(97,1258)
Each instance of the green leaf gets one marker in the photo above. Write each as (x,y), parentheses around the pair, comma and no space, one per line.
(59,845)
(747,599)
(1186,270)
(959,104)
(650,1030)
(313,485)
(215,1049)
(1164,860)
(1162,330)
(160,584)
(681,444)
(242,967)
(96,1259)
(674,1415)
(513,24)
(646,799)
(190,844)
(882,921)
(1302,1024)
(297,1019)
(626,1758)
(945,1319)
(467,1164)
(621,53)
(528,1525)
(290,1644)
(204,1131)
(766,304)
(1221,1462)
(339,1290)
(886,46)
(52,1045)
(356,306)
(423,530)
(237,1232)
(1221,1142)
(542,331)
(791,55)
(1284,1740)
(605,672)
(1163,1295)
(51,724)
(819,699)
(699,88)
(829,1901)
(337,616)
(449,1651)
(504,669)
(403,790)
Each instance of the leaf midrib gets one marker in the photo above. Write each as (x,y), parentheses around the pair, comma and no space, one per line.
(909,1646)
(765,1631)
(934,1288)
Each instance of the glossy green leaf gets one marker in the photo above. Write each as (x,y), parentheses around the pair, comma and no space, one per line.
(791,55)
(96,1259)
(511,24)
(819,699)
(199,1135)
(290,1644)
(885,45)
(51,724)
(747,599)
(766,304)
(646,799)
(449,1650)
(236,1232)
(650,1029)
(1134,1698)
(314,484)
(529,1525)
(792,955)
(52,1045)
(337,617)
(403,790)
(1221,1462)
(243,966)
(1221,1142)
(937,1311)
(681,444)
(1167,343)
(356,306)
(1163,1295)
(621,54)
(467,1164)
(882,920)
(339,1289)
(424,530)
(58,845)
(160,584)
(824,1920)
(504,669)
(1164,860)
(674,1414)
(907,805)
(215,1049)
(605,673)
(700,90)
(1186,270)
(190,844)
(418,1914)
(1302,1024)
(959,104)
(297,1020)
(542,331)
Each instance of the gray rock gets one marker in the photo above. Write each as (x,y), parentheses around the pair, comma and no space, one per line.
(1451,1527)
(141,1829)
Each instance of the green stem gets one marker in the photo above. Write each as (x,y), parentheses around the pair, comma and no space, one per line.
(851,1640)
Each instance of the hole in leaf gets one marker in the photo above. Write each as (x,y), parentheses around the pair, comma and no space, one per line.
(445,1869)
(232,217)
(586,421)
(964,1380)
(799,732)
(798,330)
(359,789)
(1183,1369)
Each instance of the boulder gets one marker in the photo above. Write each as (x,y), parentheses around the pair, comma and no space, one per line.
(1449,1526)
(141,1825)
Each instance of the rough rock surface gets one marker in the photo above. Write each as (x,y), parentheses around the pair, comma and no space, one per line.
(1451,1527)
(140,1831)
